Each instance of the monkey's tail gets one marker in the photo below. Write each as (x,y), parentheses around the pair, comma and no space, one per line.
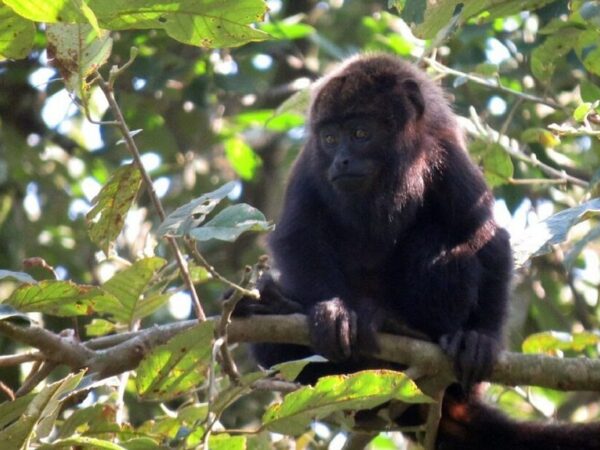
(472,425)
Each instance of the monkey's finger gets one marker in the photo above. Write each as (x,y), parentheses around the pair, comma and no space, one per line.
(469,360)
(451,344)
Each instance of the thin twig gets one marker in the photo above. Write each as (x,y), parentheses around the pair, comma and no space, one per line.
(107,89)
(36,376)
(476,128)
(494,84)
(14,360)
(191,246)
(433,422)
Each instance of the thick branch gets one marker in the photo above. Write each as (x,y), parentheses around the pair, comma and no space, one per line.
(115,354)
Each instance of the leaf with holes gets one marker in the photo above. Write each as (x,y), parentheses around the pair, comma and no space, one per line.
(106,218)
(77,51)
(209,23)
(61,298)
(230,223)
(188,216)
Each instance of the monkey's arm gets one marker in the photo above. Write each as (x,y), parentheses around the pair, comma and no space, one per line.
(467,208)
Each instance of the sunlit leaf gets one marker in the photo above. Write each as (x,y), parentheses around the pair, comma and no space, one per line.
(241,157)
(553,341)
(362,390)
(107,217)
(77,50)
(230,223)
(582,111)
(128,285)
(209,23)
(171,369)
(40,414)
(287,30)
(16,34)
(430,17)
(99,418)
(60,298)
(48,10)
(83,442)
(99,327)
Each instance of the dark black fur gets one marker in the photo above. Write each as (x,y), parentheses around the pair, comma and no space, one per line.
(394,227)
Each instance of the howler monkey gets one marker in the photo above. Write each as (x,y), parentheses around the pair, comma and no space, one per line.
(387,221)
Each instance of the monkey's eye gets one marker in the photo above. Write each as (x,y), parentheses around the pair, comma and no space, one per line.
(329,139)
(360,134)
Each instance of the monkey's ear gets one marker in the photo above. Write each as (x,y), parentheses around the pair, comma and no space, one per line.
(413,92)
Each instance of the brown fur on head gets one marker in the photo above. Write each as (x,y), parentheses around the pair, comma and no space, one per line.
(382,86)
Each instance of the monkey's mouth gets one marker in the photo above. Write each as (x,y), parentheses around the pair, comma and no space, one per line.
(349,181)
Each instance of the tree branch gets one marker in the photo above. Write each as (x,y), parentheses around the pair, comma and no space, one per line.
(112,355)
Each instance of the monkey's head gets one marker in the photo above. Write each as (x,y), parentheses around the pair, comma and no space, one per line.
(363,117)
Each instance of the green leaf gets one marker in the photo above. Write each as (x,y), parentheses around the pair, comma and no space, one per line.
(97,419)
(60,298)
(48,11)
(227,442)
(497,164)
(40,414)
(540,136)
(582,111)
(545,57)
(188,216)
(19,276)
(142,443)
(552,342)
(230,223)
(588,51)
(233,392)
(16,34)
(362,390)
(241,157)
(287,29)
(99,327)
(106,218)
(290,370)
(590,92)
(77,50)
(207,23)
(430,17)
(12,410)
(128,287)
(82,442)
(539,238)
(171,369)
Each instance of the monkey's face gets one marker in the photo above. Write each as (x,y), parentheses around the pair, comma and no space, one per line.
(352,149)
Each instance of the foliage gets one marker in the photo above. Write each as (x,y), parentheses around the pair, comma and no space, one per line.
(215,92)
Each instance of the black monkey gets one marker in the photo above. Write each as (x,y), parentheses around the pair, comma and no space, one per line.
(387,221)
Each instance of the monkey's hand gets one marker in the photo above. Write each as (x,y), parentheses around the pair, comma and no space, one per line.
(474,355)
(337,333)
(272,300)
